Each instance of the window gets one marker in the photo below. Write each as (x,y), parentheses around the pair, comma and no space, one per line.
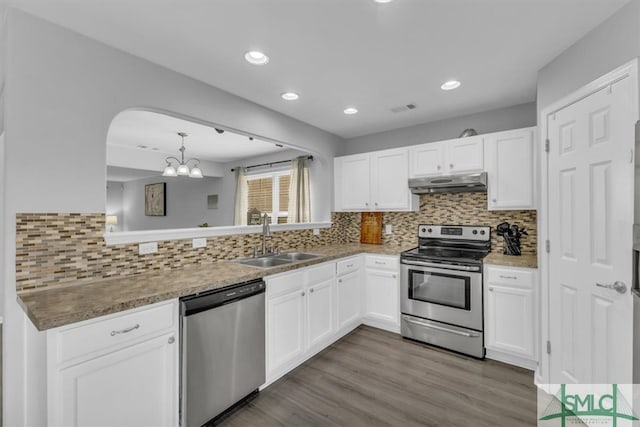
(269,193)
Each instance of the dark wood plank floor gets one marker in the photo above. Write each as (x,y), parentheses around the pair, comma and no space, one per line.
(375,378)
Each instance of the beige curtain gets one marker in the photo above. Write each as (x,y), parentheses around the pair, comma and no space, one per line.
(299,204)
(242,197)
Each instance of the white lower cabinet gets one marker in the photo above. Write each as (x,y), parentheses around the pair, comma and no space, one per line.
(320,317)
(125,374)
(348,290)
(510,315)
(382,292)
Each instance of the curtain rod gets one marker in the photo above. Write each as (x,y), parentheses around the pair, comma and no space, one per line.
(271,164)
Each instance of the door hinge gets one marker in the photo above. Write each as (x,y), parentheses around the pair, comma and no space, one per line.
(548,246)
(548,347)
(546,145)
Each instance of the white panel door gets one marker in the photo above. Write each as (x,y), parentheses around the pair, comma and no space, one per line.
(389,179)
(465,155)
(352,185)
(285,329)
(348,296)
(320,312)
(590,215)
(510,173)
(382,293)
(135,386)
(426,160)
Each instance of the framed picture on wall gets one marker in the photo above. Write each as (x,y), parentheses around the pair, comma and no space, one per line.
(155,201)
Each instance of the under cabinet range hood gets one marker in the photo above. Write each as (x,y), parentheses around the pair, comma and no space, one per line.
(473,182)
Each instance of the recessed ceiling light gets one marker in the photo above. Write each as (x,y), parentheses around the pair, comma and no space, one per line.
(450,85)
(383,1)
(290,96)
(350,110)
(256,57)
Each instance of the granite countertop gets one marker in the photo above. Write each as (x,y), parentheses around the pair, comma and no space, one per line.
(50,308)
(525,261)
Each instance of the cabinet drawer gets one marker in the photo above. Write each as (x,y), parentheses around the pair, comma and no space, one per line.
(383,262)
(319,273)
(110,331)
(284,283)
(509,277)
(348,265)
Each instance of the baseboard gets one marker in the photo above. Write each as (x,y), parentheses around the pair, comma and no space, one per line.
(381,324)
(521,362)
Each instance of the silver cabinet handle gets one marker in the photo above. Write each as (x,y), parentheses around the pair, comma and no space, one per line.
(494,200)
(349,265)
(376,203)
(393,275)
(172,340)
(302,294)
(443,329)
(311,290)
(450,165)
(439,167)
(124,331)
(491,289)
(366,204)
(617,286)
(339,280)
(380,263)
(508,277)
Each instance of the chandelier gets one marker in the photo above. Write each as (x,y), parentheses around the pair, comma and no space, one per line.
(183,168)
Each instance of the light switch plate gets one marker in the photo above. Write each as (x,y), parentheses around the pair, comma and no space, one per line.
(200,243)
(148,248)
(387,229)
(316,231)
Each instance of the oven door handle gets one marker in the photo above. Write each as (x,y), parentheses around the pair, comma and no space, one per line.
(443,329)
(436,265)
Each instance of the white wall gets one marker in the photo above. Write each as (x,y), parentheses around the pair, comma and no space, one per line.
(186,202)
(115,192)
(519,116)
(611,44)
(62,91)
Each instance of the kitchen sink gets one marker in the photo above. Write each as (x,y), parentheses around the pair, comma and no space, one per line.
(274,260)
(264,262)
(296,256)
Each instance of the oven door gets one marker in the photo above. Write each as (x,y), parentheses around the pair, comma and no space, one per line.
(444,295)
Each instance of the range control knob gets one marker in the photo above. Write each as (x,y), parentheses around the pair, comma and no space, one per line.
(424,230)
(482,232)
(475,231)
(429,230)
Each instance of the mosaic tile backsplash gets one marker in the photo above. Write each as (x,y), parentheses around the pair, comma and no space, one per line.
(57,249)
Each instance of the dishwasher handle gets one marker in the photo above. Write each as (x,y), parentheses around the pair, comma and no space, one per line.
(197,303)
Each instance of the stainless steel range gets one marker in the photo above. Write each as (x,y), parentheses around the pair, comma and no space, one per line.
(441,286)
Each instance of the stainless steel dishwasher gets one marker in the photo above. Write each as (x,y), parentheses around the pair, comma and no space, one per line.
(222,350)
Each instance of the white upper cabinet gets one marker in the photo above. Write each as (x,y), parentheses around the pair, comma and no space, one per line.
(447,157)
(352,182)
(510,170)
(375,181)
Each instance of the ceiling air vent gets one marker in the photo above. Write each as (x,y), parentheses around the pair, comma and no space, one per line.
(403,108)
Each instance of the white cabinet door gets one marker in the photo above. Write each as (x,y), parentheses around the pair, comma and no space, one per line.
(352,183)
(426,160)
(285,329)
(510,320)
(465,155)
(320,312)
(389,180)
(382,292)
(510,170)
(135,386)
(348,296)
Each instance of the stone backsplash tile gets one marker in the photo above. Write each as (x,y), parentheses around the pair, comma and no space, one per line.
(56,249)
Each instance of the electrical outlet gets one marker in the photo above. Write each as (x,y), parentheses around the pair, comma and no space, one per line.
(387,229)
(200,243)
(316,231)
(148,248)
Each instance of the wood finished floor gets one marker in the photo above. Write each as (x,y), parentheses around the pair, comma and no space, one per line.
(375,378)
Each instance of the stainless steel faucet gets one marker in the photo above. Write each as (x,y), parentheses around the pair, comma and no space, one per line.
(266,232)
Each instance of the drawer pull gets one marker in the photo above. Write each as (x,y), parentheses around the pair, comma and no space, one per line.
(508,277)
(491,289)
(349,265)
(125,331)
(311,290)
(339,280)
(393,276)
(172,340)
(380,263)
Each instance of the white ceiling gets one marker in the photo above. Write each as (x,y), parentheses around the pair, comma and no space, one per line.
(338,53)
(148,131)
